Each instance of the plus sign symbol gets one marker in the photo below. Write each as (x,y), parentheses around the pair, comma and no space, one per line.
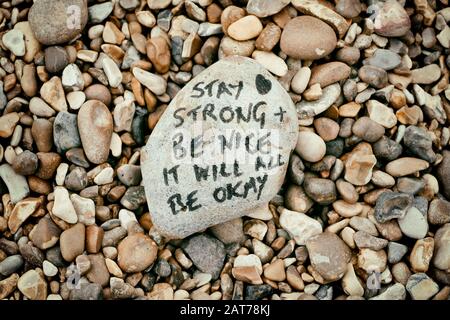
(280,114)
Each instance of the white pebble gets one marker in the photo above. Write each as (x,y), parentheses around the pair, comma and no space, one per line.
(14,41)
(63,207)
(414,224)
(250,260)
(49,269)
(61,173)
(10,154)
(76,99)
(146,18)
(126,217)
(112,72)
(153,82)
(116,145)
(310,146)
(271,62)
(301,80)
(72,78)
(105,176)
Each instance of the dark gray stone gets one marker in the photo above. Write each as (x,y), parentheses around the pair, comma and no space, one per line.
(110,224)
(392,205)
(162,268)
(177,49)
(65,132)
(421,204)
(32,255)
(139,126)
(133,198)
(54,256)
(77,157)
(295,169)
(207,253)
(56,59)
(77,179)
(112,237)
(387,149)
(322,191)
(419,142)
(325,292)
(164,19)
(335,147)
(257,292)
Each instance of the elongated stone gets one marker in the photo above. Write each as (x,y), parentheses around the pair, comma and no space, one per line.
(309,109)
(17,185)
(95,125)
(324,13)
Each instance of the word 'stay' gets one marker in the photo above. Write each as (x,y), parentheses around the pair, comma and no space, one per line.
(220,150)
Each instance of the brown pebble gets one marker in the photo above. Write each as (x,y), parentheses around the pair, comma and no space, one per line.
(98,272)
(296,41)
(229,15)
(94,238)
(213,13)
(349,55)
(98,92)
(269,37)
(48,163)
(329,73)
(42,132)
(327,129)
(367,129)
(72,242)
(25,163)
(153,118)
(28,80)
(39,185)
(159,54)
(136,253)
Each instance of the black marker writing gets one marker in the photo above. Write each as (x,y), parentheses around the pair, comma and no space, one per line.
(173,171)
(240,189)
(177,205)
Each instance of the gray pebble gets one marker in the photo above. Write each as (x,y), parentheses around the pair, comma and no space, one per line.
(112,237)
(65,132)
(11,264)
(206,252)
(396,251)
(387,149)
(392,205)
(77,179)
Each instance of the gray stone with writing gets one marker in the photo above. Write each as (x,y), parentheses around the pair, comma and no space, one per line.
(220,150)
